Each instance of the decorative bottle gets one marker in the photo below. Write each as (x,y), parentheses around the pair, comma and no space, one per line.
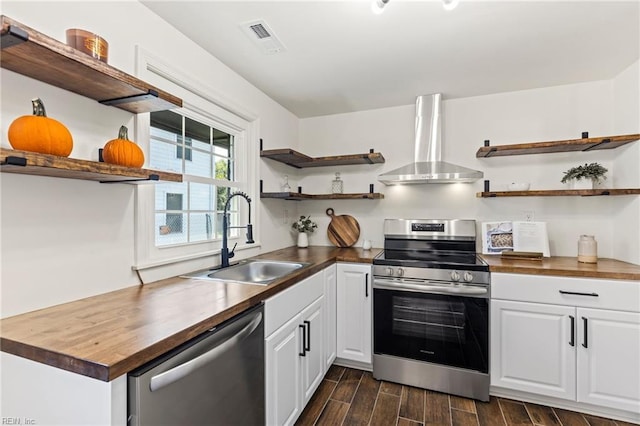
(336,185)
(587,249)
(285,186)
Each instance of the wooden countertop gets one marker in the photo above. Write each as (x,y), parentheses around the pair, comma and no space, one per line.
(111,334)
(566,267)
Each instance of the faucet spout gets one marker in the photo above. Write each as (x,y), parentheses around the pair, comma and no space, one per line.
(225,254)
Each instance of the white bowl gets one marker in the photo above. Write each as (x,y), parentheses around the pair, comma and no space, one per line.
(519,186)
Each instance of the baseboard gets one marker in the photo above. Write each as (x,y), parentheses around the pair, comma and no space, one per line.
(594,410)
(353,364)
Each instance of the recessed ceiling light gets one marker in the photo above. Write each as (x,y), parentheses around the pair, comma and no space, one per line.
(378,6)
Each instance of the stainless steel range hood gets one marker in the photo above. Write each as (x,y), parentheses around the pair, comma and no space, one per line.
(428,166)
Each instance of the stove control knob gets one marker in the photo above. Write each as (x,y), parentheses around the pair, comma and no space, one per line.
(400,272)
(455,276)
(390,271)
(467,277)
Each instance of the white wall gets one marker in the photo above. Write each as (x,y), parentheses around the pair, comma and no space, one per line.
(62,239)
(626,228)
(554,113)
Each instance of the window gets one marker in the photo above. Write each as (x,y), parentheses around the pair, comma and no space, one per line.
(191,211)
(213,142)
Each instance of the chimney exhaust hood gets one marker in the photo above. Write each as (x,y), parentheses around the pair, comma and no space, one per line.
(428,166)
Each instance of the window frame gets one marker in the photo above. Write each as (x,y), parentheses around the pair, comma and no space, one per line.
(199,102)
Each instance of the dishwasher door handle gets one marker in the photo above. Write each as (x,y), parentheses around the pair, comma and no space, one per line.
(166,378)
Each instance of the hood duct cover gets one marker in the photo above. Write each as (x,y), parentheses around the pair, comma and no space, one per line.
(428,166)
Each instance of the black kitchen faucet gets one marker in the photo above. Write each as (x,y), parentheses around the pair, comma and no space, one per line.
(225,255)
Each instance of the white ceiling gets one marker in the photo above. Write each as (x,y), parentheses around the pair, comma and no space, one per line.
(340,57)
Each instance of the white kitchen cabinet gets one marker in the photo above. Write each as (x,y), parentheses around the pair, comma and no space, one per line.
(354,305)
(609,365)
(330,315)
(313,360)
(294,349)
(567,338)
(531,350)
(283,374)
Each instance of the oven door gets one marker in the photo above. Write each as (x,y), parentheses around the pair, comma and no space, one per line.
(434,322)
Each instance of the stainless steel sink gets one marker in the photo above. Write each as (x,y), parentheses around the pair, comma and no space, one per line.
(260,272)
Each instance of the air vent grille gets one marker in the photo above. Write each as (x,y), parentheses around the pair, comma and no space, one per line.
(260,31)
(263,36)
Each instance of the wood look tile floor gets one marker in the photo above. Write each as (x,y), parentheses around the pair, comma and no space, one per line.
(352,397)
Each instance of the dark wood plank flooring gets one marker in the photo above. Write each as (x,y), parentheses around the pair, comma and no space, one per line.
(352,397)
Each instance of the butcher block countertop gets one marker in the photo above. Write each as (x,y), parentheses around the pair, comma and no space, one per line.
(566,267)
(108,335)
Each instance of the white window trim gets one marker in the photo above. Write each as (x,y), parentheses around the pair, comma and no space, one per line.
(233,119)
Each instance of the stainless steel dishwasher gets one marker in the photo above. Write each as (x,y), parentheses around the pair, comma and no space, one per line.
(216,378)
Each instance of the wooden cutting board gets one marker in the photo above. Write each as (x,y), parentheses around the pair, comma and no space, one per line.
(344,230)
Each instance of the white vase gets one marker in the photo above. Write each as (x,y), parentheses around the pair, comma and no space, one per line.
(303,239)
(581,184)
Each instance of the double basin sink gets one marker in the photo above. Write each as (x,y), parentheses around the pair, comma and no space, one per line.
(257,272)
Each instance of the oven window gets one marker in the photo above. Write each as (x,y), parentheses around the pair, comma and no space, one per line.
(447,330)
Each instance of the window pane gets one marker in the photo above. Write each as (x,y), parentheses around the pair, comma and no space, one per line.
(201,196)
(201,226)
(200,164)
(163,157)
(163,229)
(162,189)
(224,168)
(222,194)
(233,221)
(199,134)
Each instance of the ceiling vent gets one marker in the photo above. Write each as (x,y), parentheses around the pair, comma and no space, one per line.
(263,37)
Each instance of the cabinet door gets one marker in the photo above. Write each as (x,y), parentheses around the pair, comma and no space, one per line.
(354,304)
(313,361)
(609,365)
(329,315)
(531,348)
(283,376)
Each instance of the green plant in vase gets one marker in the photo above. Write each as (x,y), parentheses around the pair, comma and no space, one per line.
(304,225)
(584,177)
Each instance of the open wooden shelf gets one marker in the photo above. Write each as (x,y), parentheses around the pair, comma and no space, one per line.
(585,144)
(299,197)
(559,193)
(32,163)
(298,160)
(33,54)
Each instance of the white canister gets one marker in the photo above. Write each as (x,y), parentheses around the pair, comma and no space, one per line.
(366,245)
(587,249)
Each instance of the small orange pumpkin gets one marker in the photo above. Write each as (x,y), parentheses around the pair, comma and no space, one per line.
(39,133)
(122,151)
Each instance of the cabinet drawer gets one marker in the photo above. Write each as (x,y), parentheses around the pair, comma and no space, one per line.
(285,305)
(592,293)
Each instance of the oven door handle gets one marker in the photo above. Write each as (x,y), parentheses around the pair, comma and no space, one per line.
(428,287)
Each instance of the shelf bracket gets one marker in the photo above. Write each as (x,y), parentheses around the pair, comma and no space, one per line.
(151,94)
(594,146)
(152,177)
(13,36)
(14,161)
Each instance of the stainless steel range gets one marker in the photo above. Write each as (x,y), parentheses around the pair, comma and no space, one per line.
(431,297)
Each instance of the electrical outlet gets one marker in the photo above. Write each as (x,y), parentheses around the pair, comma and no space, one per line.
(528,215)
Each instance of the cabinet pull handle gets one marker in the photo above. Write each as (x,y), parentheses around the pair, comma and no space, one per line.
(572,342)
(577,293)
(308,340)
(304,341)
(366,285)
(585,343)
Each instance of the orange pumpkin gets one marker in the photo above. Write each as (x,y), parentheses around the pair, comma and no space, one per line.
(39,133)
(122,151)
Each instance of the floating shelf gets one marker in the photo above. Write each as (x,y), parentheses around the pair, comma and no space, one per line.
(299,197)
(298,160)
(585,144)
(559,193)
(31,163)
(33,54)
